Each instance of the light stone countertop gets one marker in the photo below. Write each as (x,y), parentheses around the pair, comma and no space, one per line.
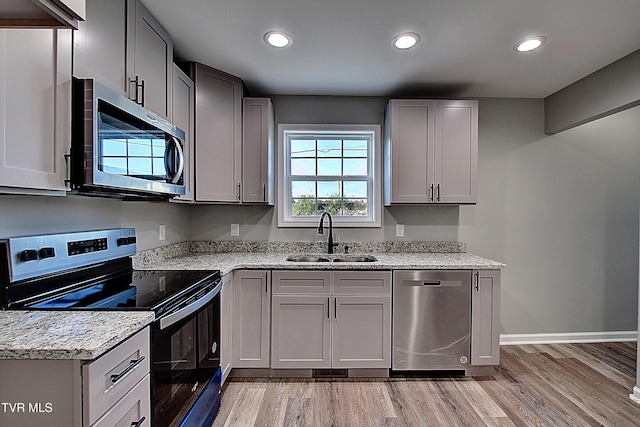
(66,335)
(227,262)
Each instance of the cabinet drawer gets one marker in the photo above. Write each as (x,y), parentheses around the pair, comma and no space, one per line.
(112,375)
(301,282)
(362,282)
(133,409)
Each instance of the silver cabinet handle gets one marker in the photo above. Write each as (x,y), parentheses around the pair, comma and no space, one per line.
(431,196)
(239,184)
(264,191)
(438,188)
(132,364)
(139,423)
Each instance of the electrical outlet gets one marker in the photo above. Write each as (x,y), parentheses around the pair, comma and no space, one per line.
(162,232)
(399,230)
(235,230)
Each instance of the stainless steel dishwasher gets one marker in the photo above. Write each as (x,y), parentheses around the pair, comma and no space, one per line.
(431,320)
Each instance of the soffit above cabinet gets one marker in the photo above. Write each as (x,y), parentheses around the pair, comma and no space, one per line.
(42,13)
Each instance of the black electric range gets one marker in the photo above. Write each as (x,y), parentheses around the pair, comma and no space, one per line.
(93,271)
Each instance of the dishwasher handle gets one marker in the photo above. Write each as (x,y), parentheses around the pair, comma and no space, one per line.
(432,283)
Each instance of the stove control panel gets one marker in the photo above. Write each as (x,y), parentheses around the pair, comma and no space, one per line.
(33,256)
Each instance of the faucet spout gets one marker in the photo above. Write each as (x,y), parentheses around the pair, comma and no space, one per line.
(330,244)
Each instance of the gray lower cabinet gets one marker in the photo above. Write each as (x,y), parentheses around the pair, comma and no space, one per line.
(251,319)
(324,319)
(226,316)
(485,318)
(35,110)
(81,393)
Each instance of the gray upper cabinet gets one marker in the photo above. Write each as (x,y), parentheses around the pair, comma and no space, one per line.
(42,13)
(149,61)
(35,107)
(258,132)
(485,318)
(184,118)
(218,134)
(122,46)
(100,44)
(430,151)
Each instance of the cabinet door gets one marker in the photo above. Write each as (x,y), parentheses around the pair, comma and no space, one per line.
(100,44)
(218,136)
(150,59)
(361,332)
(257,151)
(251,319)
(302,282)
(485,318)
(132,410)
(183,116)
(301,332)
(225,325)
(409,139)
(456,151)
(35,109)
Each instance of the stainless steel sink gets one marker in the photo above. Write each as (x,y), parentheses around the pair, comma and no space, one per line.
(354,258)
(307,258)
(336,258)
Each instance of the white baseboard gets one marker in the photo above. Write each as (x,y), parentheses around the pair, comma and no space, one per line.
(635,396)
(569,337)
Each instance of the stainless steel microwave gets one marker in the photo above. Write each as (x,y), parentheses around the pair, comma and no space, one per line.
(120,149)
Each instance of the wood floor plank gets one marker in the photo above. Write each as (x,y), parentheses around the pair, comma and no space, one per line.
(545,385)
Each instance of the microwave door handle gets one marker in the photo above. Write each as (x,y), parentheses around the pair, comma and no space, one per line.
(174,175)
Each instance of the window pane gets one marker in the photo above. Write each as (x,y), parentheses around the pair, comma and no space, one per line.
(355,167)
(114,147)
(159,167)
(303,189)
(117,165)
(355,207)
(329,148)
(333,206)
(329,189)
(158,147)
(355,148)
(140,147)
(140,166)
(355,189)
(303,148)
(329,167)
(303,166)
(304,207)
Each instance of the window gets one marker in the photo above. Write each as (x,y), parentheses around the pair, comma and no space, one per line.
(333,168)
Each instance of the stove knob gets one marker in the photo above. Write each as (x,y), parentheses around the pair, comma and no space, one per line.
(28,255)
(47,253)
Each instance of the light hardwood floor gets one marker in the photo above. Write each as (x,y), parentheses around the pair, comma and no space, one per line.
(535,385)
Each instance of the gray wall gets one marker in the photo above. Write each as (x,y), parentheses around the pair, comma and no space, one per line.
(26,215)
(561,211)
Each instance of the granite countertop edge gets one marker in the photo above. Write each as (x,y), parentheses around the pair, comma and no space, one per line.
(66,335)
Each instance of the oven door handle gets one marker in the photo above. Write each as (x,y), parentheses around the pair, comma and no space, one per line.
(177,316)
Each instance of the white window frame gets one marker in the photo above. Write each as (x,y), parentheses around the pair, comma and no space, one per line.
(285,219)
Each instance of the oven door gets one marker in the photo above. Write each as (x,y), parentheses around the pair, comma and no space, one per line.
(185,358)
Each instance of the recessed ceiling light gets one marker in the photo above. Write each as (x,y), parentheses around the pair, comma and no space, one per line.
(277,39)
(529,44)
(406,40)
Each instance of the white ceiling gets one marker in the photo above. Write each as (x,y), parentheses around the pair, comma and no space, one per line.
(343,47)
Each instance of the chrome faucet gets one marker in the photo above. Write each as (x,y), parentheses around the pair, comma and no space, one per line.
(330,244)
